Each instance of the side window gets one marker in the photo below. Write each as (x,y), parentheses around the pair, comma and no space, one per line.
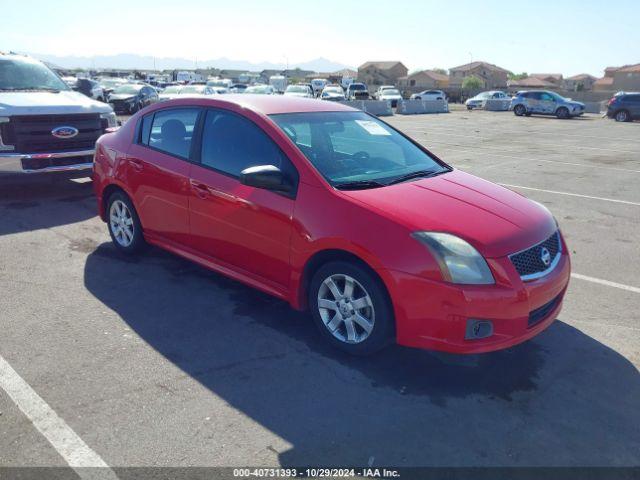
(172,131)
(145,129)
(231,143)
(535,95)
(632,98)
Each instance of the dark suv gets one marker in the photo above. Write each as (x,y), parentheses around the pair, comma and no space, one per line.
(624,106)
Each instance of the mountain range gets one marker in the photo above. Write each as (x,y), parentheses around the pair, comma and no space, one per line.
(129,61)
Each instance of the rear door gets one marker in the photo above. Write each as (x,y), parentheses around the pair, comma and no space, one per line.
(157,172)
(548,103)
(246,227)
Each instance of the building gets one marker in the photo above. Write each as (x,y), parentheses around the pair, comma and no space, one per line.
(577,83)
(529,82)
(553,78)
(625,78)
(423,80)
(381,73)
(492,76)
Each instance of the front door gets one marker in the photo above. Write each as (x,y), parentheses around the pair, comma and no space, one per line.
(246,227)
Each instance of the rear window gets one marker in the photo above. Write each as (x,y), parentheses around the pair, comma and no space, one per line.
(170,131)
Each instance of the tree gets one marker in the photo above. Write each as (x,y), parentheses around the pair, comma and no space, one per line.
(472,83)
(517,76)
(440,70)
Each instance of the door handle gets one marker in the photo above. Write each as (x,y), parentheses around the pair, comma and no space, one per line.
(200,189)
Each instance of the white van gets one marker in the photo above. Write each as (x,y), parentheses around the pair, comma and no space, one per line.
(278,82)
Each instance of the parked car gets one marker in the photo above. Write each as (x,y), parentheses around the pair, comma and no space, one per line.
(90,88)
(480,99)
(357,91)
(299,91)
(429,95)
(381,89)
(109,83)
(624,106)
(289,196)
(392,95)
(131,97)
(318,84)
(238,88)
(172,91)
(45,126)
(333,93)
(261,90)
(545,102)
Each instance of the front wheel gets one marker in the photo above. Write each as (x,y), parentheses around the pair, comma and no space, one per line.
(562,113)
(519,110)
(124,224)
(351,308)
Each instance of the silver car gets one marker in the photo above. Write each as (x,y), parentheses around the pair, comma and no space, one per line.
(544,102)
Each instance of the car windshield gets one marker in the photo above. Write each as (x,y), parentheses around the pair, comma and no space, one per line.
(483,95)
(557,97)
(258,89)
(27,74)
(173,89)
(390,91)
(127,89)
(297,89)
(193,89)
(352,148)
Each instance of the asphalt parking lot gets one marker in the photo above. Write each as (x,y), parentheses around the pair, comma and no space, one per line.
(154,361)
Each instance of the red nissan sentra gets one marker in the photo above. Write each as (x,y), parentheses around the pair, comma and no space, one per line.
(335,211)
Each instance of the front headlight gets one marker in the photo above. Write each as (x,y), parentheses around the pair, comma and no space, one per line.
(111,119)
(459,261)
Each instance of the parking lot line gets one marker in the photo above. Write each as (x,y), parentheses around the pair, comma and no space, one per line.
(621,286)
(516,157)
(66,442)
(626,202)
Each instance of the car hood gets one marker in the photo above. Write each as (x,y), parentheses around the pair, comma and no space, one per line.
(494,219)
(43,103)
(122,96)
(296,94)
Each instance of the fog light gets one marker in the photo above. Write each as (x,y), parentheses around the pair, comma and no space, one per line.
(477,329)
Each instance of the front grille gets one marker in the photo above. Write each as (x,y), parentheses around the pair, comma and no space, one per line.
(529,262)
(36,164)
(540,313)
(32,133)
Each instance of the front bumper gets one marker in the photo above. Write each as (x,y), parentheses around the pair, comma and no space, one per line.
(27,163)
(434,315)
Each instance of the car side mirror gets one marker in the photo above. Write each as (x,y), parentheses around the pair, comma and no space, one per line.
(268,177)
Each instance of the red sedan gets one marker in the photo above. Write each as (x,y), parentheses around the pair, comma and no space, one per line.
(336,212)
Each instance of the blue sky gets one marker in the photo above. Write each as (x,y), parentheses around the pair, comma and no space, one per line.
(566,36)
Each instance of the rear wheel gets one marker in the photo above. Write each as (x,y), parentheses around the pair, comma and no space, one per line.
(519,110)
(124,224)
(563,113)
(622,116)
(351,308)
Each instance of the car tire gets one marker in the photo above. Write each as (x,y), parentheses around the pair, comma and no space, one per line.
(622,116)
(519,110)
(124,224)
(418,98)
(357,319)
(563,113)
(469,108)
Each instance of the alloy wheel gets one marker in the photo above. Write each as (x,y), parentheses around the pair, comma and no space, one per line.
(621,116)
(121,223)
(346,308)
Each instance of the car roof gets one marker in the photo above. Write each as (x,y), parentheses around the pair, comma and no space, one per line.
(269,104)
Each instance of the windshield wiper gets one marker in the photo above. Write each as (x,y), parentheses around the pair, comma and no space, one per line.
(359,185)
(418,174)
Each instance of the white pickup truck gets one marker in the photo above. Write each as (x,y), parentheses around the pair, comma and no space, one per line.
(44,125)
